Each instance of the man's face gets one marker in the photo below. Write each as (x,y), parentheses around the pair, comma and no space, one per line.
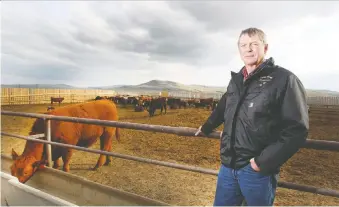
(252,49)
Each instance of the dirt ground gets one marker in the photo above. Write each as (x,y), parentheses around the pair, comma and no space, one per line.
(180,187)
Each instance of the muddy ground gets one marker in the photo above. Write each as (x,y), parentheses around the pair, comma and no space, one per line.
(179,187)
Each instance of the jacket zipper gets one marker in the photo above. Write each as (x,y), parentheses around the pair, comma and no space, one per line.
(244,87)
(243,93)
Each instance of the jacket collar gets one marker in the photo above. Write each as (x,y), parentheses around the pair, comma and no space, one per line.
(268,62)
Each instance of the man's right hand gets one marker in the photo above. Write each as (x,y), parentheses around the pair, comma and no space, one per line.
(199,132)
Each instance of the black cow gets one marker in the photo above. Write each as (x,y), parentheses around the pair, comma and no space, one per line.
(146,104)
(175,103)
(132,100)
(98,98)
(121,100)
(50,108)
(158,103)
(204,102)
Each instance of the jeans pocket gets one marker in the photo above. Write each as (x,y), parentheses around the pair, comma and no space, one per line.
(249,174)
(249,169)
(249,166)
(253,169)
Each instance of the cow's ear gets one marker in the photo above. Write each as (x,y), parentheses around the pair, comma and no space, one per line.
(14,154)
(40,164)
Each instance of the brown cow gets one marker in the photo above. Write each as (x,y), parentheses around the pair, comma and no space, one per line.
(83,135)
(58,100)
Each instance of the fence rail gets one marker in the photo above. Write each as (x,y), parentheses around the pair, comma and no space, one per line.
(183,131)
(282,184)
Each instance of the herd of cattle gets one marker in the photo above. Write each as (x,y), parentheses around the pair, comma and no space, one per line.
(151,104)
(34,156)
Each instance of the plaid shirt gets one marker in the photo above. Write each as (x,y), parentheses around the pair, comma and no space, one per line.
(245,73)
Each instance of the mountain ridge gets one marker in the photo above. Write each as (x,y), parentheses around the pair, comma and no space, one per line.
(155,86)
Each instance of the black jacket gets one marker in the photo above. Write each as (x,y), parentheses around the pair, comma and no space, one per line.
(265,117)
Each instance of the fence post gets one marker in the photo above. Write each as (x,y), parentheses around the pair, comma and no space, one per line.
(48,138)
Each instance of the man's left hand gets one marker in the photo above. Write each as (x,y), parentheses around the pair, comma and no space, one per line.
(254,165)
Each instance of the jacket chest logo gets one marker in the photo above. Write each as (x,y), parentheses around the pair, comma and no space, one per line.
(264,79)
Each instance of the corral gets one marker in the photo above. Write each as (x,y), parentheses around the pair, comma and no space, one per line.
(177,187)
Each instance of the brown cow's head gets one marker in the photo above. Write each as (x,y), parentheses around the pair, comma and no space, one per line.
(24,167)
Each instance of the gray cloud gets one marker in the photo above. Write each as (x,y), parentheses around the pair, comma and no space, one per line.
(38,71)
(98,42)
(233,16)
(53,72)
(160,36)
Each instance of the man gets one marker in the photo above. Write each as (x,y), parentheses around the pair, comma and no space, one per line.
(265,118)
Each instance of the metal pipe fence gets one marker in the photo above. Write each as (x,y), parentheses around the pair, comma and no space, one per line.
(183,131)
(288,185)
(49,138)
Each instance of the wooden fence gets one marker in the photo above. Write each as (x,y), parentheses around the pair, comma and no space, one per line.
(16,96)
(10,96)
(323,100)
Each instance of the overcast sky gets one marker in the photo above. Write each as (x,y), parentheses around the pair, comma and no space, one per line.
(84,43)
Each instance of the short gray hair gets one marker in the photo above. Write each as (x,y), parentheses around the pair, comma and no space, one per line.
(254,31)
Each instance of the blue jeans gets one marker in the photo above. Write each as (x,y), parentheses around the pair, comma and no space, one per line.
(245,184)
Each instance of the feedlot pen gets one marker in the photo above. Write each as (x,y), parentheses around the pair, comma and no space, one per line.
(180,187)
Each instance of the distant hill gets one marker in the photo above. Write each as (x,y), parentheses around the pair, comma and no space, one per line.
(155,86)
